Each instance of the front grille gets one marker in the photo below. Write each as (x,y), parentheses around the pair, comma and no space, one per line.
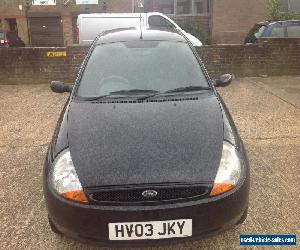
(136,194)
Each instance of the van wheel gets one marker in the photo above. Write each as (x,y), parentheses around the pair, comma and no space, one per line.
(243,218)
(53,227)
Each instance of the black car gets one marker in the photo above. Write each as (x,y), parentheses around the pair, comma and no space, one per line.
(274,29)
(10,39)
(145,150)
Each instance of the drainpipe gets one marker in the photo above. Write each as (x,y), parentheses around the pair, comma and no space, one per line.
(211,19)
(104,7)
(27,7)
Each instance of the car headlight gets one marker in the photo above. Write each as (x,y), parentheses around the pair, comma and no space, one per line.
(229,171)
(64,178)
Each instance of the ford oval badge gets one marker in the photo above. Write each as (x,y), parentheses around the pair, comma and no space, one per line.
(149,193)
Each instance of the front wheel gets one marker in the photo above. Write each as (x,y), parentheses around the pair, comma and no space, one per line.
(243,218)
(53,227)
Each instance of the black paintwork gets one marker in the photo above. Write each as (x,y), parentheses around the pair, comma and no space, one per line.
(154,141)
(136,143)
(90,223)
(134,35)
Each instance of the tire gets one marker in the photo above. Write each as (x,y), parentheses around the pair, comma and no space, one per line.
(243,218)
(53,227)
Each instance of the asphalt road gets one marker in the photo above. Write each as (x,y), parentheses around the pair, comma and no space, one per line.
(266,112)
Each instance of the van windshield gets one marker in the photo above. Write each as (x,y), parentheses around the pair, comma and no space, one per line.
(1,35)
(156,66)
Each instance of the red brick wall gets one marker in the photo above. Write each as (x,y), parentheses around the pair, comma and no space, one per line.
(119,6)
(274,57)
(33,66)
(269,57)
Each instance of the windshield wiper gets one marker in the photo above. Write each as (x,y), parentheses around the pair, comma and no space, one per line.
(144,93)
(97,98)
(123,94)
(187,89)
(134,92)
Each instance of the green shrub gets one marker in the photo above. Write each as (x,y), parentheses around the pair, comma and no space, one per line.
(197,31)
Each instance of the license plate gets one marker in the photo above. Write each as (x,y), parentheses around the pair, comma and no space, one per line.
(150,230)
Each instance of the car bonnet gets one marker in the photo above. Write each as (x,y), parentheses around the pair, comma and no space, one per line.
(169,141)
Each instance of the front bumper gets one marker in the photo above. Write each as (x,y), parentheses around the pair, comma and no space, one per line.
(90,222)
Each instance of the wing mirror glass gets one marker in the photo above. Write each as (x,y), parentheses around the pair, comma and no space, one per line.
(60,87)
(224,80)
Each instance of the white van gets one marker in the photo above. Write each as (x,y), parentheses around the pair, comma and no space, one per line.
(91,25)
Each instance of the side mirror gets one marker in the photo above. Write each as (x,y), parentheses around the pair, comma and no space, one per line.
(60,87)
(224,80)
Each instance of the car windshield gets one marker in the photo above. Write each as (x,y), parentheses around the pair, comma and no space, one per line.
(1,35)
(140,67)
(255,33)
(258,30)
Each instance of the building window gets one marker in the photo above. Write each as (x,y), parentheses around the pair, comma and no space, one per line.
(167,6)
(284,5)
(289,5)
(294,5)
(184,7)
(201,6)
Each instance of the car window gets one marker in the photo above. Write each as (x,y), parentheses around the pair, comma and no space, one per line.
(147,65)
(159,21)
(277,32)
(293,31)
(12,36)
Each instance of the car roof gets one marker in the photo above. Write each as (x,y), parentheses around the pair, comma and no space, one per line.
(124,15)
(135,34)
(270,22)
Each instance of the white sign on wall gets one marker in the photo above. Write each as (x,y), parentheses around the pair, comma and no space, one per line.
(87,1)
(43,2)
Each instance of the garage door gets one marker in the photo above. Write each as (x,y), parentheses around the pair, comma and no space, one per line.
(46,31)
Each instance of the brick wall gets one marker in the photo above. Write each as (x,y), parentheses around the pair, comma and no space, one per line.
(33,66)
(67,22)
(269,57)
(119,6)
(232,19)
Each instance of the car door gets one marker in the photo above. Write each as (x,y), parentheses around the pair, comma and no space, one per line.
(293,30)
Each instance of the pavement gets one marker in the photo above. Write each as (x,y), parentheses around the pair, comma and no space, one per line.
(267,115)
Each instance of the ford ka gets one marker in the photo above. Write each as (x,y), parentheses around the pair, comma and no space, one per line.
(145,150)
